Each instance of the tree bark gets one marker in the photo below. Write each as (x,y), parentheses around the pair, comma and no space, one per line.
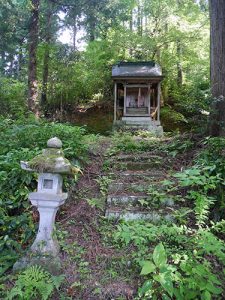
(217,67)
(92,29)
(20,59)
(131,29)
(45,73)
(33,104)
(3,63)
(74,32)
(179,66)
(139,18)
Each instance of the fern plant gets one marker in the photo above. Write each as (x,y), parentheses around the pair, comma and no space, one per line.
(202,206)
(34,283)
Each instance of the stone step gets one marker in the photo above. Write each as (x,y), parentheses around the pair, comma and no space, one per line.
(137,119)
(137,111)
(120,187)
(144,126)
(132,183)
(140,157)
(136,166)
(137,108)
(134,214)
(137,123)
(135,200)
(141,187)
(115,200)
(137,176)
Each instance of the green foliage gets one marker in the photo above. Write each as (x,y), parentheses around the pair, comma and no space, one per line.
(198,177)
(143,235)
(187,274)
(177,145)
(130,143)
(99,203)
(34,283)
(162,274)
(202,206)
(113,31)
(206,180)
(12,97)
(171,119)
(187,279)
(103,182)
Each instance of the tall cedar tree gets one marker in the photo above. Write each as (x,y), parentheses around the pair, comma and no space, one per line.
(33,104)
(48,33)
(217,66)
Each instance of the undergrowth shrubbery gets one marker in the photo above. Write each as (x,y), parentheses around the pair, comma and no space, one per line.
(22,140)
(34,283)
(181,266)
(184,260)
(128,142)
(12,97)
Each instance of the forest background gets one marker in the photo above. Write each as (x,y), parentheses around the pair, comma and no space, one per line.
(62,77)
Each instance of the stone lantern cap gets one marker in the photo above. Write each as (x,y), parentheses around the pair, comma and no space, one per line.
(51,160)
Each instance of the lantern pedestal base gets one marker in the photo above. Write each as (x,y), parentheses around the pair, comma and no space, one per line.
(49,263)
(45,248)
(47,205)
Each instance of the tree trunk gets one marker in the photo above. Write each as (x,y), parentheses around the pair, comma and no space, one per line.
(33,104)
(46,57)
(11,64)
(20,59)
(3,63)
(92,29)
(179,66)
(131,20)
(131,29)
(45,76)
(139,19)
(217,67)
(74,32)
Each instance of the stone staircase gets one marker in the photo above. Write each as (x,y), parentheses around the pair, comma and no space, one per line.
(144,122)
(136,111)
(129,194)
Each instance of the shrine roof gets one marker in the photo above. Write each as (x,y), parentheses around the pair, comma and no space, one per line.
(148,69)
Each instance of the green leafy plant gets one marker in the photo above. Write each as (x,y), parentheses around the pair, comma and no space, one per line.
(97,202)
(187,279)
(181,215)
(203,182)
(34,283)
(103,182)
(195,280)
(198,176)
(162,275)
(202,206)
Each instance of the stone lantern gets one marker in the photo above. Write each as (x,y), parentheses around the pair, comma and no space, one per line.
(50,165)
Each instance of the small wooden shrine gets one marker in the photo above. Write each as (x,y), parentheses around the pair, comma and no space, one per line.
(137,93)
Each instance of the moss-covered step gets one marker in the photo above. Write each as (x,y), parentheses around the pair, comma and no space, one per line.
(153,174)
(137,165)
(138,200)
(139,187)
(140,157)
(120,187)
(133,214)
